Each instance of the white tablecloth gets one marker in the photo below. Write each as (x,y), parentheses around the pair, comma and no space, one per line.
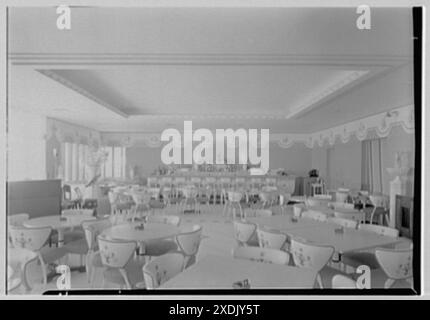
(220,272)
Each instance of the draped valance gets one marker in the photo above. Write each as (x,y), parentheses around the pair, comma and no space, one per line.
(65,132)
(378,125)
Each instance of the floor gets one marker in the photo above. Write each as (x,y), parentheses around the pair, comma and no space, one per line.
(217,239)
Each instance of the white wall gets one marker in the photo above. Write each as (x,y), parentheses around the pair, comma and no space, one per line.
(26,146)
(341,165)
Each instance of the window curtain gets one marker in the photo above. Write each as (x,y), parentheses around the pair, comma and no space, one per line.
(371,166)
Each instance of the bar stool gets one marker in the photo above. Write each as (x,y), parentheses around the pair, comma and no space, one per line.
(233,202)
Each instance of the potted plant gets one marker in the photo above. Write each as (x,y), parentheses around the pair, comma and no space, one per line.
(313,173)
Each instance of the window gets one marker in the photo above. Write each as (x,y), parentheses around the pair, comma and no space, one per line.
(75,162)
(114,167)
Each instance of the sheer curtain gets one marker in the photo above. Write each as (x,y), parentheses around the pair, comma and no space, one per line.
(371,166)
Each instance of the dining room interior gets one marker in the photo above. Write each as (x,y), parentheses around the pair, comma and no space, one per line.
(325,200)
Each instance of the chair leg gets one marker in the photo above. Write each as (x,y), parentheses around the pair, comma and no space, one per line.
(241,211)
(44,273)
(319,281)
(389,283)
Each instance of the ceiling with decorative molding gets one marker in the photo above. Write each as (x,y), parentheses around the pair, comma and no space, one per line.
(144,70)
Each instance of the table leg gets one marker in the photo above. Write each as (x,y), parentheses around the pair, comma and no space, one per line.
(60,238)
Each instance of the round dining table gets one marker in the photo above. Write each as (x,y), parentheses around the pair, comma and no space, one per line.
(58,223)
(151,231)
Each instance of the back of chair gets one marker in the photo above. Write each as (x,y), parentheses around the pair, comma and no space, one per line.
(342,282)
(17,219)
(113,196)
(298,209)
(315,215)
(261,255)
(397,264)
(167,219)
(189,242)
(306,255)
(271,239)
(189,192)
(381,230)
(93,229)
(29,238)
(115,253)
(234,196)
(243,231)
(346,223)
(379,201)
(162,268)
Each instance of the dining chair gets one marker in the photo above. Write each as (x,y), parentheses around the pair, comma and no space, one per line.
(189,243)
(190,203)
(340,281)
(233,203)
(266,199)
(315,215)
(356,258)
(17,219)
(35,239)
(18,261)
(117,259)
(245,233)
(284,199)
(92,229)
(346,223)
(141,203)
(271,239)
(316,257)
(166,193)
(211,188)
(161,269)
(380,209)
(298,209)
(265,255)
(396,264)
